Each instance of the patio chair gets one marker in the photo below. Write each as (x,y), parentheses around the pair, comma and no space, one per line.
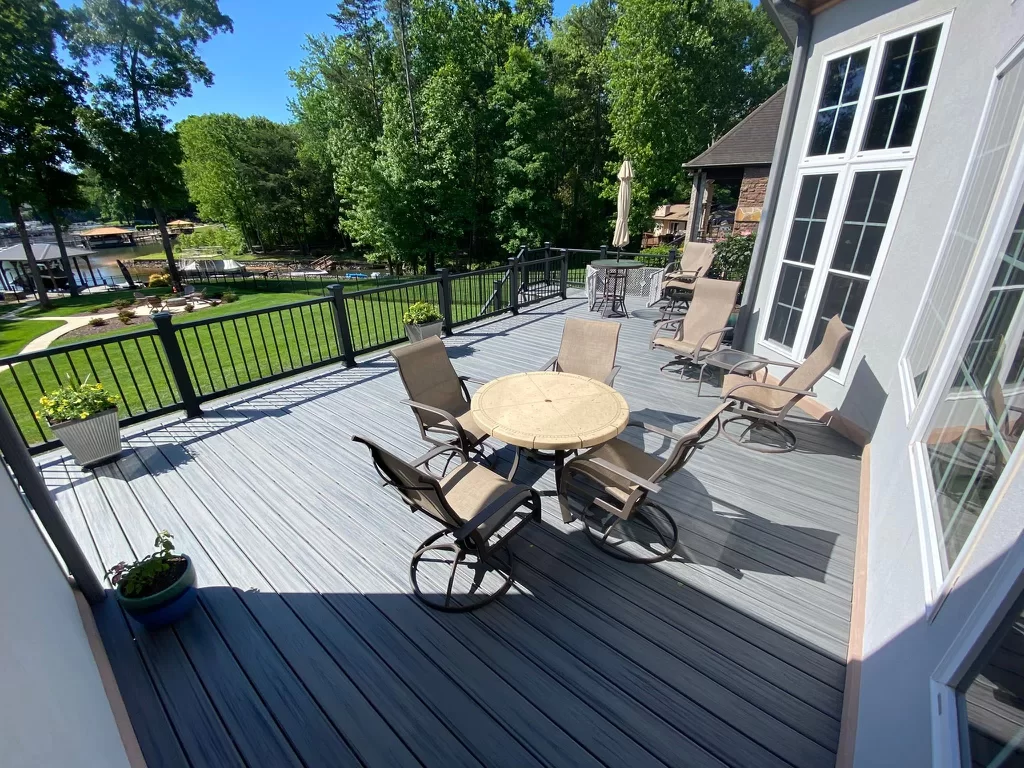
(765,406)
(439,398)
(624,477)
(140,297)
(588,348)
(677,285)
(480,512)
(700,332)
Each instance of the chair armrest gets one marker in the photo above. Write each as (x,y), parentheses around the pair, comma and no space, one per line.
(472,380)
(647,485)
(498,506)
(612,374)
(775,387)
(550,364)
(699,346)
(434,452)
(664,325)
(463,440)
(656,430)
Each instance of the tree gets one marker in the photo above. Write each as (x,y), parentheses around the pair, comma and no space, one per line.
(150,48)
(38,132)
(706,63)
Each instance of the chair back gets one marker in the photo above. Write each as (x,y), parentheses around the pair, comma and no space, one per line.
(822,358)
(588,347)
(418,489)
(712,303)
(688,444)
(188,290)
(429,378)
(697,258)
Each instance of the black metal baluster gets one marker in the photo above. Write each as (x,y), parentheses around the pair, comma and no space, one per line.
(175,396)
(131,374)
(145,366)
(252,343)
(284,339)
(28,403)
(206,364)
(216,354)
(305,333)
(241,351)
(295,335)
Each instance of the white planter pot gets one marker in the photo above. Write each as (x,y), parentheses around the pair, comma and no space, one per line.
(92,440)
(420,332)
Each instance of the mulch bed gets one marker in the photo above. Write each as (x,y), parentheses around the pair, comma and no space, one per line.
(113,324)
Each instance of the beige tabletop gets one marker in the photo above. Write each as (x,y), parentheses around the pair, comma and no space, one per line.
(546,410)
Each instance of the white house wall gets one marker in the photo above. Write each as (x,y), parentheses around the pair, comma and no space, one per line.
(901,647)
(53,709)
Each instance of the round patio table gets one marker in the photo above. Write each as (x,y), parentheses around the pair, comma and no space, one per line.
(614,298)
(550,411)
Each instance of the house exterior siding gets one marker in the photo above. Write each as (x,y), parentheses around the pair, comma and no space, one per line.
(902,646)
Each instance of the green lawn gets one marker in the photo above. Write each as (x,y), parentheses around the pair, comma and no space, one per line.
(86,303)
(230,352)
(15,334)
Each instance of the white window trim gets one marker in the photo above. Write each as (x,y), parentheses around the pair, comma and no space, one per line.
(846,173)
(992,610)
(911,398)
(846,165)
(1010,197)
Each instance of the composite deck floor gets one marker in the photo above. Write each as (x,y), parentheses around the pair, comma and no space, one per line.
(307,647)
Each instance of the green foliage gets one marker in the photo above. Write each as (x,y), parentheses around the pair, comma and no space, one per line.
(657,250)
(126,316)
(229,297)
(421,312)
(681,75)
(121,303)
(732,257)
(227,238)
(97,321)
(145,577)
(75,401)
(159,281)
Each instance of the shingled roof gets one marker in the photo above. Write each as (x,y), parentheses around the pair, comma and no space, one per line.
(750,142)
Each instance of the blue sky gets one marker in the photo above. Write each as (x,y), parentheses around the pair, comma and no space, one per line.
(250,66)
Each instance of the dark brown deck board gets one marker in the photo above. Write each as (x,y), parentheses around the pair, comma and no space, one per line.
(307,648)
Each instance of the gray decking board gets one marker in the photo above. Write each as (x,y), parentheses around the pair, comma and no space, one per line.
(307,649)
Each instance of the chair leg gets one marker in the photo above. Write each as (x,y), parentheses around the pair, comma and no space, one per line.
(459,554)
(780,432)
(648,518)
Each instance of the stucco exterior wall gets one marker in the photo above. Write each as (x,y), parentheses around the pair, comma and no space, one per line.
(53,709)
(901,648)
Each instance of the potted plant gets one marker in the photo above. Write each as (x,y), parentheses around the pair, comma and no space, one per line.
(422,320)
(158,589)
(84,418)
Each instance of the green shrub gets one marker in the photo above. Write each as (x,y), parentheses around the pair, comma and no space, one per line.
(732,257)
(229,296)
(159,281)
(95,321)
(126,316)
(213,236)
(121,303)
(190,307)
(73,401)
(421,312)
(657,250)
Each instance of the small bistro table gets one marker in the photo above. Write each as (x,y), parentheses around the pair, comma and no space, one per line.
(550,411)
(613,298)
(731,361)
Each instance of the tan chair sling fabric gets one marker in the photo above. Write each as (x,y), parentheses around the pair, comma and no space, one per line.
(588,348)
(696,259)
(713,301)
(429,378)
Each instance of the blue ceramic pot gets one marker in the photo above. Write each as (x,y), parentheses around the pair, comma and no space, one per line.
(166,606)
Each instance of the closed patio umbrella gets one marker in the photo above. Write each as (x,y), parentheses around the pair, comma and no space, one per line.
(621,238)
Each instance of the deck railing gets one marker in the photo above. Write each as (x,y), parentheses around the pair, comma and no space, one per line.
(177,365)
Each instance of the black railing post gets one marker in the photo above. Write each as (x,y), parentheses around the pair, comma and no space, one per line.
(604,251)
(32,483)
(672,256)
(497,288)
(547,262)
(176,361)
(513,285)
(445,289)
(341,323)
(563,277)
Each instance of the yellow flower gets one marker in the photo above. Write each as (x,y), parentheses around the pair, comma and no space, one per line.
(85,414)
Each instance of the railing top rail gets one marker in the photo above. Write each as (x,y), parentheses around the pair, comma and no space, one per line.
(251,312)
(78,345)
(394,286)
(486,270)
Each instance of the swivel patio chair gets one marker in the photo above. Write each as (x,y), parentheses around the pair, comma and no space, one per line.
(588,348)
(479,511)
(766,406)
(624,477)
(700,332)
(677,285)
(439,398)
